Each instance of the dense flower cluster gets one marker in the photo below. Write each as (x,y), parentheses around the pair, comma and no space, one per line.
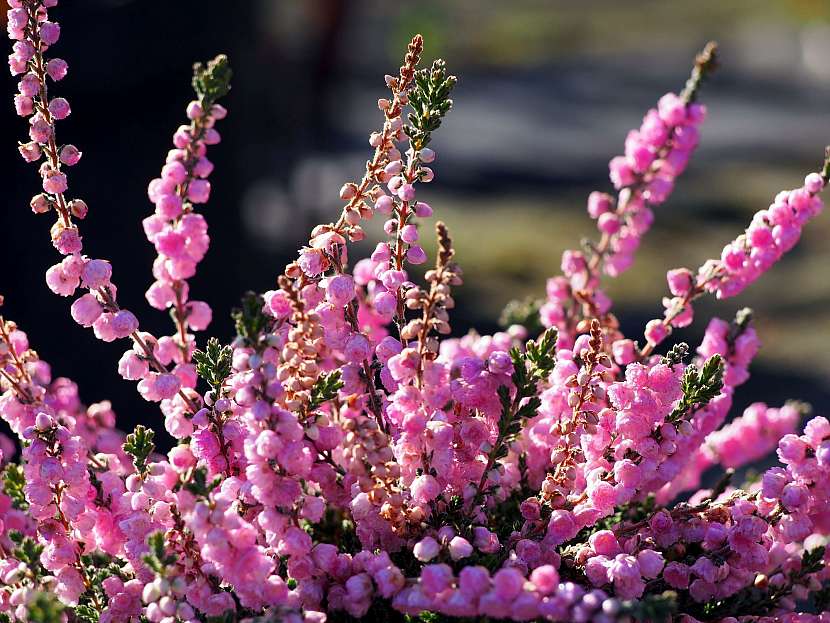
(344,458)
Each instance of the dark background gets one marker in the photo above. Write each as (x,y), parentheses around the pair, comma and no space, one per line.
(546,95)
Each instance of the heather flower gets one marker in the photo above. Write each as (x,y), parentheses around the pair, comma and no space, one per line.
(344,454)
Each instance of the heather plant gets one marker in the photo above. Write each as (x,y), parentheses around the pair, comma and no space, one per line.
(345,458)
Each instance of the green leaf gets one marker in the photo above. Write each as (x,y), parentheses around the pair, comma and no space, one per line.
(13,483)
(28,552)
(429,99)
(212,81)
(87,614)
(214,364)
(249,319)
(325,389)
(699,387)
(676,355)
(820,599)
(139,445)
(652,608)
(529,367)
(542,355)
(524,313)
(45,608)
(198,484)
(812,560)
(158,558)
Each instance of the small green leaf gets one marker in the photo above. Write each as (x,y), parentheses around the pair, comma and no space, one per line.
(86,614)
(699,387)
(13,483)
(652,608)
(325,389)
(139,445)
(198,484)
(676,355)
(429,100)
(812,560)
(158,558)
(45,608)
(215,363)
(28,551)
(249,319)
(524,313)
(212,81)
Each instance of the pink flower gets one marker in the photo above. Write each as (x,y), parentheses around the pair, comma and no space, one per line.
(160,295)
(132,367)
(54,182)
(507,583)
(426,549)
(656,332)
(680,281)
(436,578)
(651,563)
(604,542)
(357,348)
(85,310)
(199,315)
(59,108)
(70,155)
(96,274)
(198,191)
(59,282)
(561,526)
(604,496)
(67,241)
(677,575)
(311,262)
(49,32)
(56,68)
(459,547)
(424,489)
(103,327)
(340,290)
(124,323)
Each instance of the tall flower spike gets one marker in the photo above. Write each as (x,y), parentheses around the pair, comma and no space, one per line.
(772,233)
(430,100)
(98,309)
(177,232)
(655,155)
(435,303)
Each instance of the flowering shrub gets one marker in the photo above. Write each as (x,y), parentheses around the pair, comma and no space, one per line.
(343,458)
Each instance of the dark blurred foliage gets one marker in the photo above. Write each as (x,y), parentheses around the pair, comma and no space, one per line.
(547,92)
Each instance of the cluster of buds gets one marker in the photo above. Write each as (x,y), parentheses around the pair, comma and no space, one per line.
(299,370)
(437,302)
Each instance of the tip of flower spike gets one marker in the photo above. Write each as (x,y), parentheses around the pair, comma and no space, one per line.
(410,64)
(707,59)
(706,62)
(212,80)
(805,409)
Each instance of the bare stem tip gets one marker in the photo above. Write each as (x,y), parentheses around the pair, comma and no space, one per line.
(825,168)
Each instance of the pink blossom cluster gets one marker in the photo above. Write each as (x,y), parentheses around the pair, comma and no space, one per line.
(655,155)
(345,458)
(34,34)
(178,234)
(773,232)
